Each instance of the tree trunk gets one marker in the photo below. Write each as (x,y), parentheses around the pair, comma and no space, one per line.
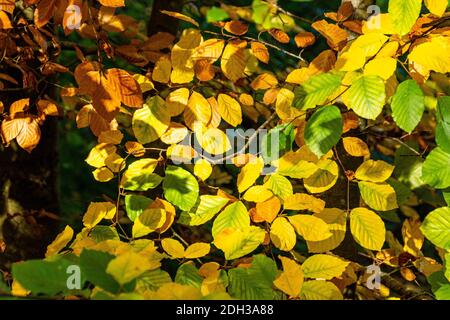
(161,22)
(28,199)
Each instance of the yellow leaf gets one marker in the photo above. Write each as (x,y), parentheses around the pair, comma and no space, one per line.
(197,250)
(175,133)
(103,174)
(246,99)
(115,163)
(210,50)
(323,266)
(180,16)
(177,101)
(173,247)
(413,237)
(236,243)
(144,82)
(264,81)
(336,220)
(203,169)
(293,165)
(176,291)
(181,56)
(97,211)
(229,109)
(432,55)
(320,290)
(257,194)
(99,153)
(163,69)
(324,178)
(379,23)
(375,171)
(151,121)
(249,173)
(148,221)
(437,7)
(370,43)
(367,228)
(378,196)
(290,281)
(299,76)
(127,267)
(310,227)
(303,201)
(234,60)
(60,242)
(169,211)
(283,105)
(198,111)
(283,234)
(356,147)
(382,67)
(351,60)
(213,140)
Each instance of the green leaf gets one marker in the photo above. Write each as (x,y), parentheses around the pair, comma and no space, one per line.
(140,177)
(436,227)
(180,188)
(151,121)
(277,142)
(316,90)
(320,290)
(234,216)
(103,233)
(408,105)
(436,169)
(443,124)
(208,207)
(216,14)
(403,14)
(260,11)
(323,266)
(44,277)
(187,274)
(255,282)
(279,185)
(439,285)
(135,205)
(93,265)
(367,96)
(323,130)
(379,196)
(152,280)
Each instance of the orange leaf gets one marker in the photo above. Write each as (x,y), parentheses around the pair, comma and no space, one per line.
(279,35)
(304,39)
(260,51)
(236,27)
(112,3)
(44,12)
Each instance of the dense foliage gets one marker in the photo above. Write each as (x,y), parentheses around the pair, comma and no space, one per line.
(208,208)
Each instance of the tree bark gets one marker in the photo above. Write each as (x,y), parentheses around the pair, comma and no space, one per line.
(29,198)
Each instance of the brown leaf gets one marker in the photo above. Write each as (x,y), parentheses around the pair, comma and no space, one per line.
(336,36)
(304,39)
(44,12)
(236,27)
(127,87)
(260,51)
(279,35)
